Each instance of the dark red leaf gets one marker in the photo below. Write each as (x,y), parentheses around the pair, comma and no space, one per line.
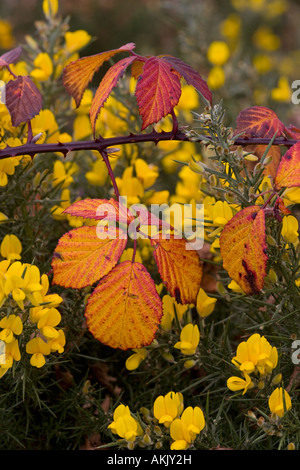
(23,100)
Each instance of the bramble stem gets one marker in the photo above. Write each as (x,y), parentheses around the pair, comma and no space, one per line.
(32,149)
(110,171)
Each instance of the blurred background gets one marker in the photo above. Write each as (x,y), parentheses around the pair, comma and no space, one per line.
(249,51)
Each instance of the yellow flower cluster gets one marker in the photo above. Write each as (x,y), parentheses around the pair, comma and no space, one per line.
(256,356)
(23,284)
(183,425)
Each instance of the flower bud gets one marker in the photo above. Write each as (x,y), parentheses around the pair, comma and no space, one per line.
(277,379)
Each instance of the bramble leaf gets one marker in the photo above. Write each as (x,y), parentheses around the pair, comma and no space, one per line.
(288,172)
(158,82)
(292,132)
(124,310)
(78,74)
(258,121)
(180,268)
(108,82)
(98,209)
(158,90)
(243,249)
(190,76)
(81,258)
(23,100)
(10,57)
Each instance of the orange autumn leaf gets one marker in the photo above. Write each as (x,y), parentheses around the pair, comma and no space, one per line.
(82,258)
(124,310)
(99,209)
(108,82)
(288,172)
(23,100)
(243,249)
(158,82)
(180,268)
(78,74)
(258,121)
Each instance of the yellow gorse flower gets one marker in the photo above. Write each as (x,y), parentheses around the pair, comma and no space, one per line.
(189,339)
(11,325)
(167,408)
(205,305)
(185,429)
(236,384)
(7,168)
(289,230)
(218,53)
(283,91)
(256,355)
(11,247)
(43,67)
(38,348)
(124,424)
(171,309)
(216,77)
(10,354)
(50,8)
(133,361)
(279,401)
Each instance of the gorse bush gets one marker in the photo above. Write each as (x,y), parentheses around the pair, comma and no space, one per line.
(124,327)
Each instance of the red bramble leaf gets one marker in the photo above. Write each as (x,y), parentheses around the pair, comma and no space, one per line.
(158,82)
(258,121)
(190,76)
(243,249)
(158,90)
(124,310)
